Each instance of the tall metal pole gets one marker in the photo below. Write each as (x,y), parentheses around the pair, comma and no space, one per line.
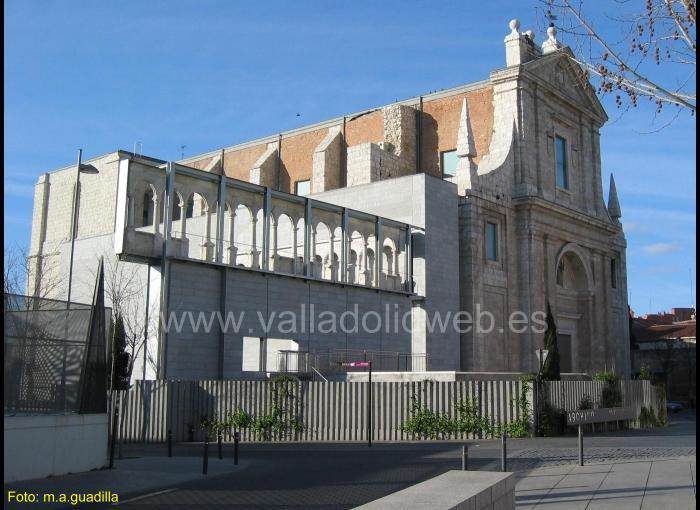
(580,445)
(74,224)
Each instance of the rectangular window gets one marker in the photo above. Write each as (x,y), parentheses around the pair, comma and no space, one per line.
(491,241)
(613,273)
(448,163)
(562,170)
(302,188)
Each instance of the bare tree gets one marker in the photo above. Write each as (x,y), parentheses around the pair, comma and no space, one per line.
(38,276)
(645,49)
(125,293)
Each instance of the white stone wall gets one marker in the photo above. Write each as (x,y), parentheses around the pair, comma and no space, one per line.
(53,445)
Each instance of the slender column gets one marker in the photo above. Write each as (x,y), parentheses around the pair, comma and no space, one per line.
(232,247)
(207,235)
(307,236)
(377,251)
(183,220)
(274,224)
(295,248)
(156,216)
(266,229)
(365,261)
(344,247)
(254,261)
(331,254)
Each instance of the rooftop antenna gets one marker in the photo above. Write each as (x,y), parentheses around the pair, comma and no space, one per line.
(138,148)
(182,151)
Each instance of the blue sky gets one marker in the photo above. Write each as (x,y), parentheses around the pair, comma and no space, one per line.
(207,74)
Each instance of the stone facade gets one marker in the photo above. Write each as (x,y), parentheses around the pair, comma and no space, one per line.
(521,224)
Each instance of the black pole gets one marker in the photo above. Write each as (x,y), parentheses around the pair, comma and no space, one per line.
(465,457)
(503,452)
(219,439)
(115,420)
(205,462)
(369,407)
(236,440)
(580,445)
(170,443)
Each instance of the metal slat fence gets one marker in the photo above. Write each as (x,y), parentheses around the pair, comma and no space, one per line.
(334,411)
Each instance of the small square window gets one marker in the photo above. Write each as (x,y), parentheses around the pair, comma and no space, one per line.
(302,188)
(491,241)
(562,170)
(448,163)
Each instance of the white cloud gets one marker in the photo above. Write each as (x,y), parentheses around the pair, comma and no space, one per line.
(658,248)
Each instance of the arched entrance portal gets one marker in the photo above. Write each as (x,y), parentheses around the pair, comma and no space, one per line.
(573,310)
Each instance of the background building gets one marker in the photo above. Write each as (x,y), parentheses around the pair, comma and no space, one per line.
(487,196)
(666,344)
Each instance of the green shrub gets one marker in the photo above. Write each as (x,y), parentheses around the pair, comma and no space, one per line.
(645,373)
(611,396)
(521,426)
(425,423)
(470,420)
(238,420)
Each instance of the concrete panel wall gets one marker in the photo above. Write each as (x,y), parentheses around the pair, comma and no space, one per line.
(268,306)
(52,445)
(430,204)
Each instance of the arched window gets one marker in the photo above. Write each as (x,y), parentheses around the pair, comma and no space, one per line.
(189,212)
(370,266)
(147,217)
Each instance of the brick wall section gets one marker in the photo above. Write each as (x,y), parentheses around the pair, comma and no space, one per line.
(441,124)
(297,157)
(366,128)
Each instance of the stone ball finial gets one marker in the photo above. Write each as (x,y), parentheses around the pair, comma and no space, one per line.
(514,25)
(530,35)
(552,32)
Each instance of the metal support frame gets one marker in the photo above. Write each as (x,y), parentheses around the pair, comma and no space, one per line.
(221,207)
(165,266)
(408,256)
(344,246)
(267,199)
(308,228)
(378,252)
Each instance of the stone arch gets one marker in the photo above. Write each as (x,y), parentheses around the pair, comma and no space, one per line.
(148,209)
(571,267)
(320,247)
(178,202)
(197,205)
(282,243)
(243,235)
(573,308)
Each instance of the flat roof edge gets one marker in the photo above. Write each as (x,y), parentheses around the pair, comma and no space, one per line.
(337,120)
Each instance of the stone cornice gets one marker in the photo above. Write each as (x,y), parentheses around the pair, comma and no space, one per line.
(538,203)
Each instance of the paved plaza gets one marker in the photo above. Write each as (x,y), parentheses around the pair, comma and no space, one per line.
(653,469)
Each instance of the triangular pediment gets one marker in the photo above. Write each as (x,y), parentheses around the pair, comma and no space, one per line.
(565,76)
